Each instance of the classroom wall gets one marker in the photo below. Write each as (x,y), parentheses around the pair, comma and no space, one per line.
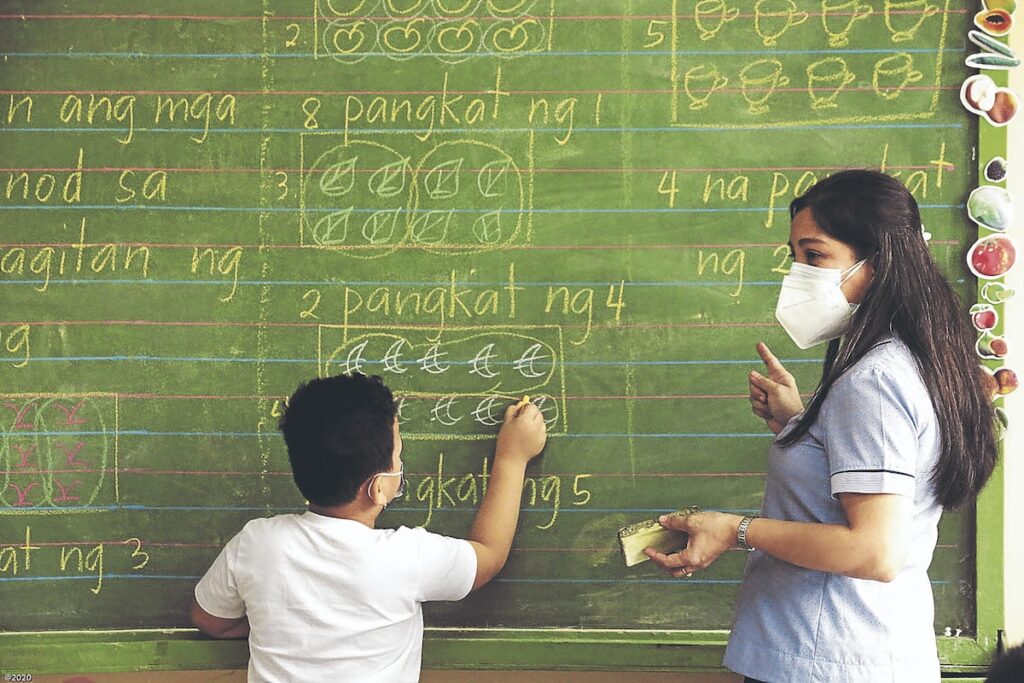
(1014,549)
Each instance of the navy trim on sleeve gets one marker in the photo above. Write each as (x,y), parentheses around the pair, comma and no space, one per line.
(867,471)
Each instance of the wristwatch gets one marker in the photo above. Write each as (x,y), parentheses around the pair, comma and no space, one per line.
(741,533)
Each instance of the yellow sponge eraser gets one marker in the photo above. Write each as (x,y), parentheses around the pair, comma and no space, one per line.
(650,534)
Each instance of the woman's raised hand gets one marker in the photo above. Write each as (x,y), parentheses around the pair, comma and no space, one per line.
(775,398)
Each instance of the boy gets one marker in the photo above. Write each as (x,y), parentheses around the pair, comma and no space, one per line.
(325,594)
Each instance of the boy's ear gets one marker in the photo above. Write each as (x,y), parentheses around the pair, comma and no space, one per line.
(376,491)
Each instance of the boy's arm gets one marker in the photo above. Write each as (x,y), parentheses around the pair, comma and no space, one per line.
(520,440)
(216,627)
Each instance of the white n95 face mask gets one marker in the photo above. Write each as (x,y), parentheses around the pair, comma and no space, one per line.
(812,307)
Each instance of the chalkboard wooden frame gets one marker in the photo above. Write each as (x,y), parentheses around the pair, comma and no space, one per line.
(505,649)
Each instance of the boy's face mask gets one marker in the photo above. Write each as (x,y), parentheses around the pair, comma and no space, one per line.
(401,482)
(812,307)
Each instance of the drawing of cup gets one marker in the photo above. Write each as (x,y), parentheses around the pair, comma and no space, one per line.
(833,16)
(711,15)
(772,18)
(758,82)
(701,82)
(893,74)
(917,11)
(825,80)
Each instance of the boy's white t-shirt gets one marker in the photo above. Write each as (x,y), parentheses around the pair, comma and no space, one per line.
(332,599)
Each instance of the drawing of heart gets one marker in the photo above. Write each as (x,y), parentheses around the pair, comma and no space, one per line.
(403,37)
(458,38)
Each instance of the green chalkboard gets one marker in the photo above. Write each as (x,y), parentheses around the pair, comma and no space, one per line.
(203,204)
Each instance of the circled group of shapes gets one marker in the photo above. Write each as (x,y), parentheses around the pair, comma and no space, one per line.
(502,373)
(449,30)
(45,459)
(487,410)
(825,79)
(461,197)
(532,365)
(772,19)
(990,205)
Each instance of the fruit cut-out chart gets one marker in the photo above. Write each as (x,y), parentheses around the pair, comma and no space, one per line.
(204,204)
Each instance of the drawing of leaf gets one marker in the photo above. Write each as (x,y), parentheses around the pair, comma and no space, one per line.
(442,181)
(389,179)
(332,228)
(432,226)
(492,180)
(379,228)
(487,228)
(338,178)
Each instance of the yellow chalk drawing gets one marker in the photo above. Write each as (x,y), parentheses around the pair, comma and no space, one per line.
(710,16)
(444,387)
(826,79)
(457,39)
(764,81)
(893,74)
(349,41)
(918,10)
(838,17)
(456,8)
(403,39)
(509,37)
(405,8)
(344,8)
(447,30)
(773,18)
(700,82)
(508,8)
(758,82)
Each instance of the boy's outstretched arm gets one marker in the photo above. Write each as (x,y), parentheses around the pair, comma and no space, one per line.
(521,439)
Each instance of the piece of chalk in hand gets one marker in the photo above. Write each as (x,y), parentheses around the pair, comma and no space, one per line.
(522,404)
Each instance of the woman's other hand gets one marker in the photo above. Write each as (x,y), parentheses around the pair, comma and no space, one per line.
(775,398)
(710,535)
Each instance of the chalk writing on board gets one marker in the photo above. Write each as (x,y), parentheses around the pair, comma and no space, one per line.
(16,344)
(445,490)
(817,89)
(460,301)
(455,194)
(368,199)
(451,32)
(78,257)
(454,387)
(86,560)
(56,453)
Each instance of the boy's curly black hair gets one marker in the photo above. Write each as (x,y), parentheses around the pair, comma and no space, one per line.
(339,432)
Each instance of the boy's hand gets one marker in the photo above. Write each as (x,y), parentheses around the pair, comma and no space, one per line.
(523,434)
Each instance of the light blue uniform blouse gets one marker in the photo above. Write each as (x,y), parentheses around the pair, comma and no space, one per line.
(876,433)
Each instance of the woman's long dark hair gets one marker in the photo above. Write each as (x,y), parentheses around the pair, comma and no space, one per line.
(908,297)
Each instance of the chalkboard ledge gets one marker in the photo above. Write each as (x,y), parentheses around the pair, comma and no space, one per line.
(63,652)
